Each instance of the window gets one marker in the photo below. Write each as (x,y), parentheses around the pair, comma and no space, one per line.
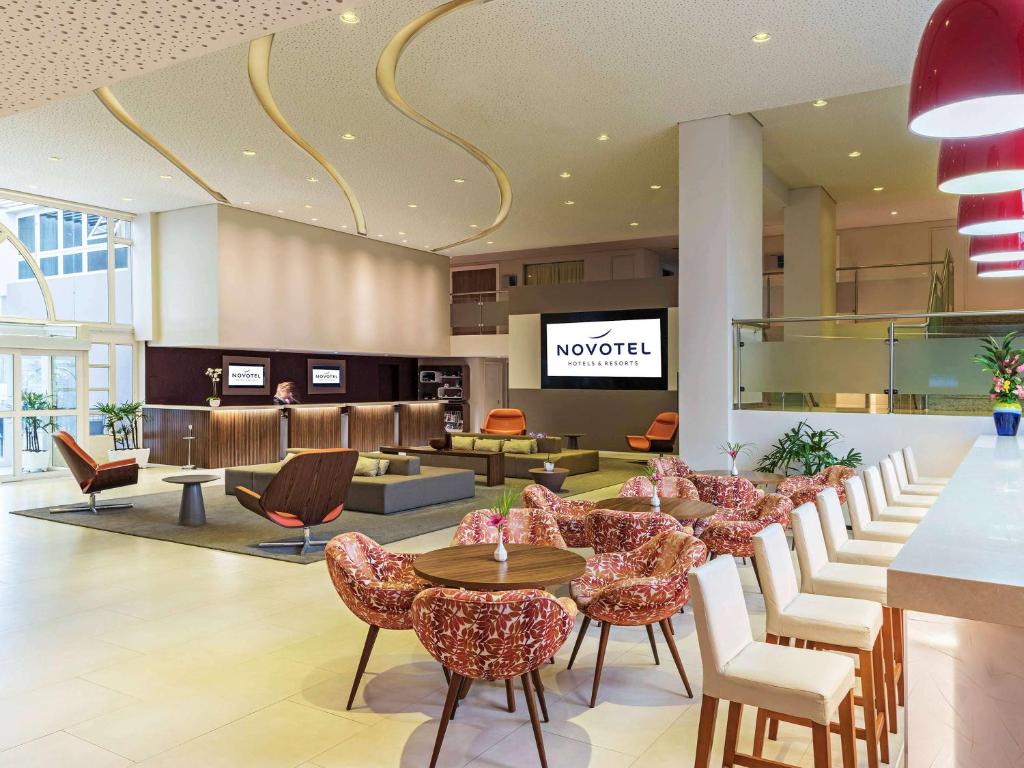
(48,231)
(72,229)
(97,261)
(24,270)
(48,265)
(27,232)
(121,257)
(553,272)
(97,228)
(72,263)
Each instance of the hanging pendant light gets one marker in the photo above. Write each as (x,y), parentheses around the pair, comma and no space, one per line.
(997,248)
(1001,214)
(982,166)
(1002,269)
(969,73)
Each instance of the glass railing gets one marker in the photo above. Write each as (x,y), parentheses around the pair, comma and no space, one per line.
(897,363)
(479,312)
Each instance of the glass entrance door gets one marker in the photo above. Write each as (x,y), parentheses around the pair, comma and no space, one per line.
(39,395)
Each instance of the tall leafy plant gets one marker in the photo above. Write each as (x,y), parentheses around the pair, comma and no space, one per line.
(121,421)
(807,450)
(31,426)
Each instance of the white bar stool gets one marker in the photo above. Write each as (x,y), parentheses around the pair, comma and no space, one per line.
(893,495)
(880,507)
(841,548)
(914,489)
(866,582)
(822,622)
(912,474)
(864,528)
(801,685)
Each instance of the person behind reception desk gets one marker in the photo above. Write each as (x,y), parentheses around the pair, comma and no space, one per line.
(285,394)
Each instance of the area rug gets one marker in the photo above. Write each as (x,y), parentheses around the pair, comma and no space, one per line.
(231,528)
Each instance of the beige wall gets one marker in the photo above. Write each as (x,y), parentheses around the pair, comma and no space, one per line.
(271,283)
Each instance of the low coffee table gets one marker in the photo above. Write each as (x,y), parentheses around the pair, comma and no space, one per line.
(192,511)
(552,480)
(680,509)
(474,567)
(493,464)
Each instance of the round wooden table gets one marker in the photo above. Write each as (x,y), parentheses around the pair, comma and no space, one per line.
(474,567)
(680,509)
(757,478)
(192,511)
(552,480)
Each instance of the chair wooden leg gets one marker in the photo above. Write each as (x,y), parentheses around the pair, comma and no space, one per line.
(847,732)
(867,685)
(889,662)
(671,642)
(898,649)
(605,629)
(654,645)
(705,731)
(822,746)
(531,705)
(579,641)
(510,696)
(446,715)
(538,686)
(447,674)
(879,685)
(732,733)
(773,724)
(371,637)
(759,727)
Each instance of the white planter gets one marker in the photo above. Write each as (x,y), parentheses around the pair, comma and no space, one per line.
(35,461)
(141,456)
(214,402)
(549,466)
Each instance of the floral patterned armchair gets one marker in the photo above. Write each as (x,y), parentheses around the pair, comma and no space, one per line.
(492,636)
(802,489)
(670,466)
(377,586)
(522,526)
(731,531)
(669,487)
(639,588)
(570,514)
(726,491)
(611,530)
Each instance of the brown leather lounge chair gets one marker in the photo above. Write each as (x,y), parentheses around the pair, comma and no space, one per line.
(92,477)
(308,490)
(504,421)
(660,436)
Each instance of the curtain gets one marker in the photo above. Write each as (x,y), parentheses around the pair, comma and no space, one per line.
(554,272)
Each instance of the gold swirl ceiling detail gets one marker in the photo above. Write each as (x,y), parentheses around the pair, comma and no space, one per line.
(387,67)
(259,79)
(107,98)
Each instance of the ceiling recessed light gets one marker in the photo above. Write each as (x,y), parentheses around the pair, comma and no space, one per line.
(126,199)
(307,205)
(412,205)
(565,175)
(312,179)
(166,177)
(380,234)
(634,223)
(603,137)
(405,241)
(249,152)
(761,37)
(401,233)
(894,213)
(570,202)
(56,158)
(349,17)
(33,186)
(855,153)
(344,226)
(655,186)
(472,226)
(348,136)
(459,181)
(280,210)
(819,103)
(490,242)
(314,219)
(877,189)
(246,202)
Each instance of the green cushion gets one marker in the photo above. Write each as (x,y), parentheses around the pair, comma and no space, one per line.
(366,467)
(519,446)
(462,443)
(487,446)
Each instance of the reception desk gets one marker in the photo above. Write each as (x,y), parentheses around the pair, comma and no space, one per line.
(230,436)
(960,579)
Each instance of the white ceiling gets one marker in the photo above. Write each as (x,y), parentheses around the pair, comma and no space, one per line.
(62,47)
(532,82)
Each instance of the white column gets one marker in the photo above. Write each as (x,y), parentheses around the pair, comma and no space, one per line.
(809,240)
(720,229)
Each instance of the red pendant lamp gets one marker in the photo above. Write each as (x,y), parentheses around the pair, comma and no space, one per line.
(1002,269)
(997,248)
(1001,214)
(983,166)
(969,72)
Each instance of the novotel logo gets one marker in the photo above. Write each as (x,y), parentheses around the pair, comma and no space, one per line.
(605,348)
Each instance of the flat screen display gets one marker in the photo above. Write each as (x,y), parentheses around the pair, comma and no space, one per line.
(325,376)
(246,375)
(619,349)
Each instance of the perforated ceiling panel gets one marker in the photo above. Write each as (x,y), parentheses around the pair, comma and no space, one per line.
(60,47)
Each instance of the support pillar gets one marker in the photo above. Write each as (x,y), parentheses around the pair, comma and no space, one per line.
(809,241)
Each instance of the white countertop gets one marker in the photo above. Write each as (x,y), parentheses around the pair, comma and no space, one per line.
(966,558)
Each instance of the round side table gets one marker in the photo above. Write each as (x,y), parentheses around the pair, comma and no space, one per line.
(552,480)
(474,567)
(192,511)
(572,439)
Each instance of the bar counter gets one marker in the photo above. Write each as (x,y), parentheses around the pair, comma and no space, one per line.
(960,579)
(235,435)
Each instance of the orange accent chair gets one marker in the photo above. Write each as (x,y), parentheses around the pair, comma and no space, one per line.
(660,436)
(92,477)
(308,490)
(505,421)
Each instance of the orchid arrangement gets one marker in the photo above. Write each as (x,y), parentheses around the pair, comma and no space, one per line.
(732,450)
(1006,365)
(502,506)
(213,374)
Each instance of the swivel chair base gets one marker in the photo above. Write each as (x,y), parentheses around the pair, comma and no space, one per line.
(307,544)
(92,507)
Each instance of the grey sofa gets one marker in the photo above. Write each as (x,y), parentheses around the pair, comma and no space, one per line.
(407,485)
(577,461)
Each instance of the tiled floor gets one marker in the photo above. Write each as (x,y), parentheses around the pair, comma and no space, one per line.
(124,651)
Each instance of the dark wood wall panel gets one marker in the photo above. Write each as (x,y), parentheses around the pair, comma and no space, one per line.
(418,422)
(370,426)
(163,431)
(314,427)
(244,437)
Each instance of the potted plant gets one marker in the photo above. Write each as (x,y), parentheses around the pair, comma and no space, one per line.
(808,449)
(34,457)
(1006,365)
(732,450)
(213,374)
(122,423)
(499,514)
